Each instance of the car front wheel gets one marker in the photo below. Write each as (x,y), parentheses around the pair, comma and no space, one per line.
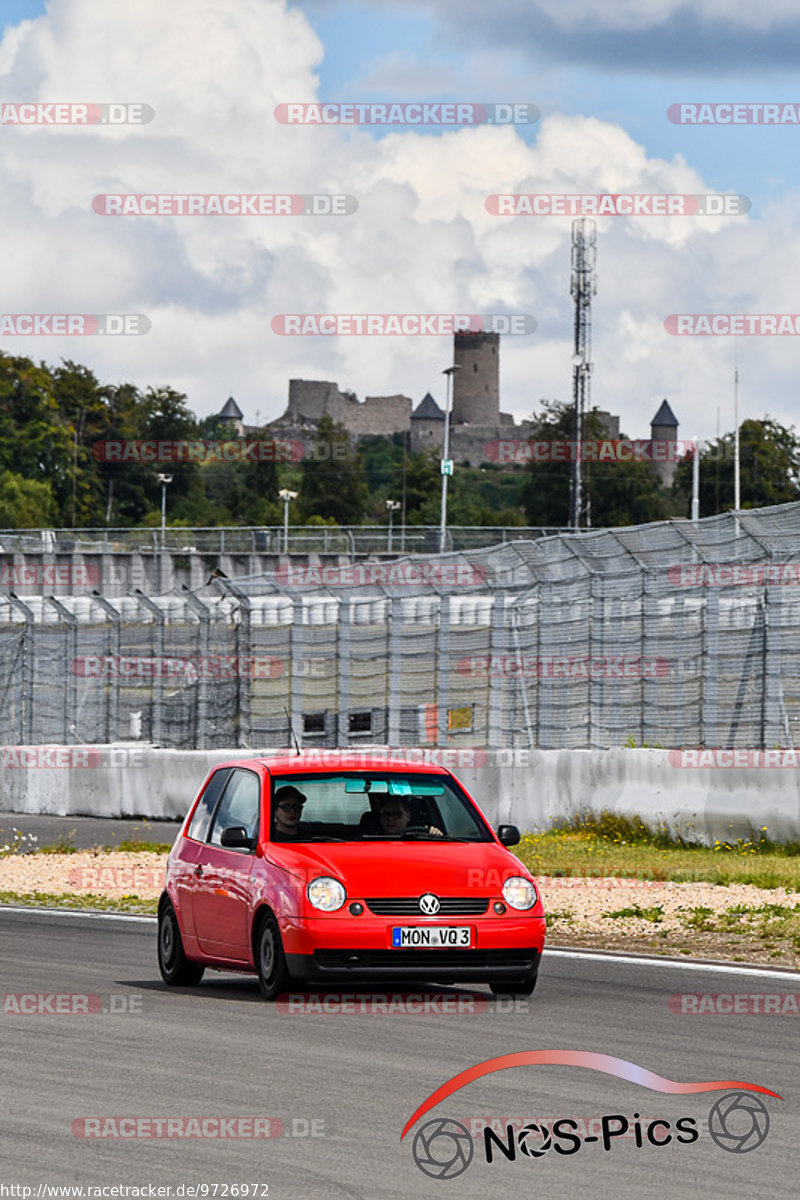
(176,969)
(273,974)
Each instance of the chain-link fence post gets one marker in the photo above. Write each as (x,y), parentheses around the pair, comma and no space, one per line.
(204,615)
(113,732)
(159,620)
(69,668)
(26,699)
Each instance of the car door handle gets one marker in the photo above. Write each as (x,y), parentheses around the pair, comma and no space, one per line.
(198,871)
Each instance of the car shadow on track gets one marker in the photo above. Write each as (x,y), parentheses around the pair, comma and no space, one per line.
(245,989)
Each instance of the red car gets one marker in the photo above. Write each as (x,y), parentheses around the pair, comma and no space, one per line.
(307,871)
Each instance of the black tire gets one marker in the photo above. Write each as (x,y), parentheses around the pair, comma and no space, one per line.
(273,974)
(513,987)
(176,969)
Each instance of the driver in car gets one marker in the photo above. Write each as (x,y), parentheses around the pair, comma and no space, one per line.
(394,814)
(287,809)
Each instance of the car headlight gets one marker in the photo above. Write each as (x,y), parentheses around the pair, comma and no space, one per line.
(519,892)
(326,894)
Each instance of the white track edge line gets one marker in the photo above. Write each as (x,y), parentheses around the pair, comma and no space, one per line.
(626,959)
(676,964)
(76,912)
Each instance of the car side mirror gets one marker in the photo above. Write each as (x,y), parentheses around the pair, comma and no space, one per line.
(236,837)
(508,835)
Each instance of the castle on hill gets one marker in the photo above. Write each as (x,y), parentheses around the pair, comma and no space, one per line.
(475,418)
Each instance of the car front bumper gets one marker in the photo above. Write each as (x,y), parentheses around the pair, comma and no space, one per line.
(352,948)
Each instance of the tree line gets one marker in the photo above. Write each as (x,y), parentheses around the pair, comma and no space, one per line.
(51,475)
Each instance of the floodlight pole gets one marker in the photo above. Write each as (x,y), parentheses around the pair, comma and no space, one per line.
(447,466)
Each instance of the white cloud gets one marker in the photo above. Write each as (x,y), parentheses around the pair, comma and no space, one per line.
(421,241)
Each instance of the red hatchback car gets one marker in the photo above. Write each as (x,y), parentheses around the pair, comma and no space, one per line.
(297,870)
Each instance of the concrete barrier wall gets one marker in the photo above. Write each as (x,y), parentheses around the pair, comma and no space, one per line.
(524,787)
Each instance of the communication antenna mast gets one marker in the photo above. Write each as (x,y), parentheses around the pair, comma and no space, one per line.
(737,495)
(582,286)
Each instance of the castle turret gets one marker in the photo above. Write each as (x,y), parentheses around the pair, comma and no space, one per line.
(233,416)
(476,394)
(664,428)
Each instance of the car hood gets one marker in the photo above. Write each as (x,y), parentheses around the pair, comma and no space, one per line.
(403,868)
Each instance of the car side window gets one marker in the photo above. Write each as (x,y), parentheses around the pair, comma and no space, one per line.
(239,805)
(198,828)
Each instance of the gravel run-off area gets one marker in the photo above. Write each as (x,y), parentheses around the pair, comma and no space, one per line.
(575,906)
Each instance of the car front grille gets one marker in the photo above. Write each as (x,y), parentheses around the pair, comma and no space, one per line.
(408,906)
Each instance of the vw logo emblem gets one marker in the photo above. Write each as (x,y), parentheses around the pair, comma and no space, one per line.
(429,904)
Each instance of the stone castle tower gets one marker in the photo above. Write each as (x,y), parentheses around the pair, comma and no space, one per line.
(476,391)
(664,428)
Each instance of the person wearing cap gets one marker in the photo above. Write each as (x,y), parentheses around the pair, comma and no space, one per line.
(287,809)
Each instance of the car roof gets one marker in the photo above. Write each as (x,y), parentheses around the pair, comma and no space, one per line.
(320,761)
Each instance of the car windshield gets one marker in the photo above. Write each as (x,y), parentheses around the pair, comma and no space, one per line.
(371,807)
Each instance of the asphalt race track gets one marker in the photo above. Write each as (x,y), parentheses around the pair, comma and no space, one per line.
(354,1079)
(86,832)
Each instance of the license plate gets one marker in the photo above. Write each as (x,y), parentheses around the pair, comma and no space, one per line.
(434,937)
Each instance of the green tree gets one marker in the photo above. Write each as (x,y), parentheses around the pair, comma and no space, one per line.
(419,478)
(620,493)
(36,442)
(332,480)
(769,457)
(26,503)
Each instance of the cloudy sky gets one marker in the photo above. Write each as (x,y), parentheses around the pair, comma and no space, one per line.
(603,76)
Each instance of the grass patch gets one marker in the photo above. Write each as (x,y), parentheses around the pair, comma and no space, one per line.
(564,915)
(767,923)
(654,915)
(130,847)
(612,845)
(699,918)
(86,900)
(63,845)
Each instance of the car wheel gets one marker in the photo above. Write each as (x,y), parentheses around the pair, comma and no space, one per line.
(176,970)
(513,987)
(273,974)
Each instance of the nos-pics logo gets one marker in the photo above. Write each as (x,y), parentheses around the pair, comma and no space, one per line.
(444,1148)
